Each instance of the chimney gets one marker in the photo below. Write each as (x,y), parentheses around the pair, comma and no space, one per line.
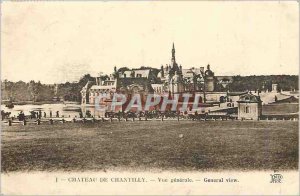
(162,71)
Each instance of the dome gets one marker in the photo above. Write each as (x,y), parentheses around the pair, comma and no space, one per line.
(209,73)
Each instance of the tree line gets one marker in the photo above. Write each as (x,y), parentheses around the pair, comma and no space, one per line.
(38,92)
(264,83)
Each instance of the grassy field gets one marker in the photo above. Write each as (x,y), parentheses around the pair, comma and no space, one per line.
(151,146)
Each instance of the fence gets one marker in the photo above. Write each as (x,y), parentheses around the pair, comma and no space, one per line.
(63,120)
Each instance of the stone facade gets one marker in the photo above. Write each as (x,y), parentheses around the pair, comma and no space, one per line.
(249,107)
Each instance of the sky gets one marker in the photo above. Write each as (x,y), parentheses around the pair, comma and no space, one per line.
(60,41)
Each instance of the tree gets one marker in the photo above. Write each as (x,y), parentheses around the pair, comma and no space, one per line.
(34,90)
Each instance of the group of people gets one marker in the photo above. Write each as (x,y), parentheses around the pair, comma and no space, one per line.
(38,115)
(33,115)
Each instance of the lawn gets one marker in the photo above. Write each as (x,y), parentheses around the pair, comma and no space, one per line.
(210,145)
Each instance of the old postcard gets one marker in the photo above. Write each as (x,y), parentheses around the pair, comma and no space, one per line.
(149,97)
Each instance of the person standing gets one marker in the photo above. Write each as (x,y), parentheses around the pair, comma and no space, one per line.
(21,116)
(2,114)
(50,114)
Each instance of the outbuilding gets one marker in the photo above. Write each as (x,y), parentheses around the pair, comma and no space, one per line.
(249,107)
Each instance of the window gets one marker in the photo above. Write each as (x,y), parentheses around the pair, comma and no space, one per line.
(247,109)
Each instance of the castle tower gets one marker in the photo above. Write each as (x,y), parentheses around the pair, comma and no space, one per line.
(209,79)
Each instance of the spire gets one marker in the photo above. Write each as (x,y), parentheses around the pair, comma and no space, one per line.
(173,52)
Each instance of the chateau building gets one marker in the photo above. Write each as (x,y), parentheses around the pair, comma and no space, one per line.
(215,97)
(168,80)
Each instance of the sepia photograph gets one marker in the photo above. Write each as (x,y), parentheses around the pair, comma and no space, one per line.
(150,97)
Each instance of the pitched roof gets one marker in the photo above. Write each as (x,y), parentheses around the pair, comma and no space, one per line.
(190,72)
(143,72)
(249,98)
(125,82)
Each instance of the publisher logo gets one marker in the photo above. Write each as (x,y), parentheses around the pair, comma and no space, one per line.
(276,178)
